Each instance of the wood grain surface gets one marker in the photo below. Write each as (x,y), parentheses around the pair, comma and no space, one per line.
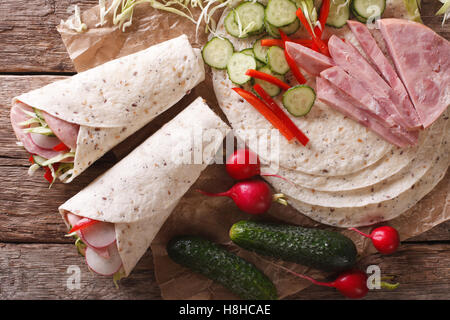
(35,255)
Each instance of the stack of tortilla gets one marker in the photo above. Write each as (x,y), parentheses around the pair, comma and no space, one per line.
(346,175)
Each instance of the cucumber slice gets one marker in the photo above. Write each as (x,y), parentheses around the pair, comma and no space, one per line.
(276,60)
(232,27)
(251,16)
(339,13)
(249,52)
(270,88)
(280,13)
(217,52)
(238,64)
(259,51)
(365,9)
(299,100)
(289,29)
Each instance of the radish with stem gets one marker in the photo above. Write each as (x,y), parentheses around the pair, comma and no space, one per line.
(385,239)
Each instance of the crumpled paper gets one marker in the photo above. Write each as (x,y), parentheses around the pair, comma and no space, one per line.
(213,217)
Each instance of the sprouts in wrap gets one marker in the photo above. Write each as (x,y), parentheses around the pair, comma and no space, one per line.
(69,124)
(134,198)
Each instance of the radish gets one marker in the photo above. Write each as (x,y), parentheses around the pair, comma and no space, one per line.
(251,196)
(99,235)
(385,239)
(43,141)
(351,284)
(102,266)
(244,164)
(72,219)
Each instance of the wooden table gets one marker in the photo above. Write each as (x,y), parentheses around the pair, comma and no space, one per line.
(34,254)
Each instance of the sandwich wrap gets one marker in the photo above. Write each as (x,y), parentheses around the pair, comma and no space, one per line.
(112,101)
(139,193)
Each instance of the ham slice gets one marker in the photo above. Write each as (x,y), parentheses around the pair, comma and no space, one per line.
(379,60)
(66,132)
(355,90)
(17,116)
(349,59)
(338,100)
(307,59)
(422,60)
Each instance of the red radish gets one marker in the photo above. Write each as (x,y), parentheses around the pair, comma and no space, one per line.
(251,196)
(244,164)
(352,283)
(102,266)
(385,239)
(99,235)
(43,141)
(83,223)
(104,252)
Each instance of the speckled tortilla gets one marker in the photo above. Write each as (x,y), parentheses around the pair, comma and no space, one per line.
(112,101)
(140,191)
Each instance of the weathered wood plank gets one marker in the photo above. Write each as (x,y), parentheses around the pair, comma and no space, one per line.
(39,271)
(30,42)
(421,270)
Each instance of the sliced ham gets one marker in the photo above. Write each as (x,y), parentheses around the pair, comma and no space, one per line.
(338,100)
(422,60)
(349,59)
(17,116)
(307,59)
(66,132)
(379,60)
(355,90)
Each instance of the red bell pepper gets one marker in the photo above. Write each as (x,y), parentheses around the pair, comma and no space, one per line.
(83,223)
(48,173)
(31,159)
(280,43)
(61,147)
(292,64)
(267,77)
(298,134)
(322,47)
(323,16)
(266,112)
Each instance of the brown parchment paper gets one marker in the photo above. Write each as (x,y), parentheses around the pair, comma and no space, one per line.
(213,217)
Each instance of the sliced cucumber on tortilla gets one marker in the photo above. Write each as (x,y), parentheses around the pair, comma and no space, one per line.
(339,13)
(232,27)
(276,60)
(249,52)
(217,52)
(289,29)
(259,51)
(299,100)
(365,9)
(250,16)
(238,65)
(270,88)
(280,13)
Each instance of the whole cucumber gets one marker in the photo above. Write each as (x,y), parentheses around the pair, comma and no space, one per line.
(320,249)
(207,258)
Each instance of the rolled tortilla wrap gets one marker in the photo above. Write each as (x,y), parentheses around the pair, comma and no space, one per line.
(139,193)
(114,100)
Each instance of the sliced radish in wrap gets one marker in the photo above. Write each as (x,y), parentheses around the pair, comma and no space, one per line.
(43,141)
(99,235)
(101,265)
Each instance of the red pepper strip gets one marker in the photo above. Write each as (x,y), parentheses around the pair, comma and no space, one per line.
(317,41)
(48,173)
(31,159)
(83,223)
(323,16)
(280,43)
(291,62)
(267,77)
(265,111)
(301,137)
(60,147)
